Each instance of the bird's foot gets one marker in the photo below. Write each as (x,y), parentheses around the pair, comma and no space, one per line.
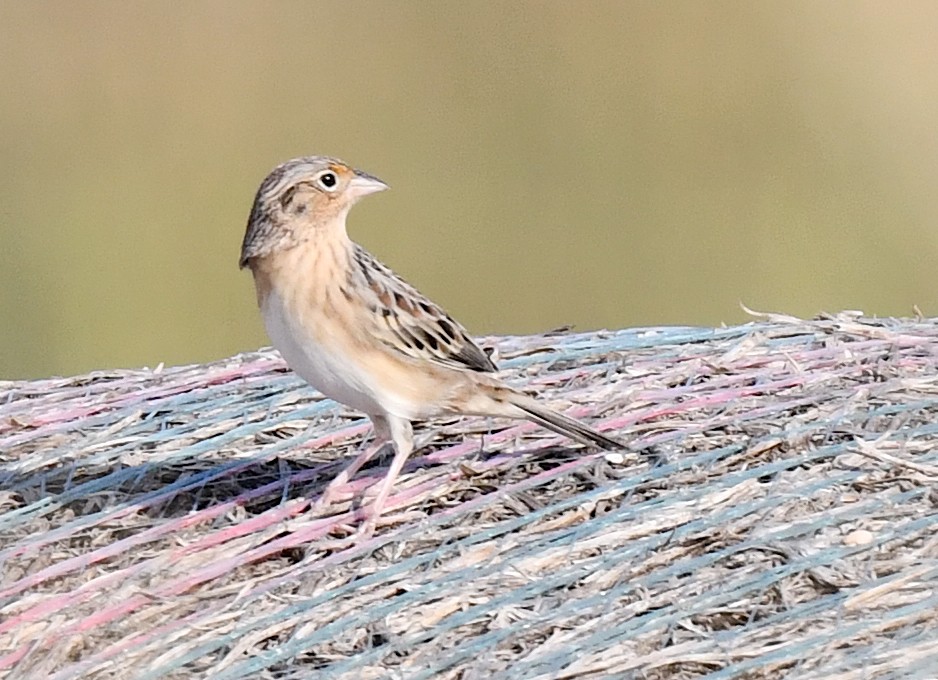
(338,489)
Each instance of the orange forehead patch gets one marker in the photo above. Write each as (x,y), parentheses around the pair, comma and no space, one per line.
(339,169)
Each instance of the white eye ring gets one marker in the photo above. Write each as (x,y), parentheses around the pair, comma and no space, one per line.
(328,181)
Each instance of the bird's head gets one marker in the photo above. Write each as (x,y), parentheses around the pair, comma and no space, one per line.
(300,199)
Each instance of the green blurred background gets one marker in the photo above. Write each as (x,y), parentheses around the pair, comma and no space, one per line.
(601,164)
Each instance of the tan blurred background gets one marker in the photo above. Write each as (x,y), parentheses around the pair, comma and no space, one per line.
(601,164)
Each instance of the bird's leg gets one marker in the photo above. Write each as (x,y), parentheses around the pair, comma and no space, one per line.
(382,439)
(402,435)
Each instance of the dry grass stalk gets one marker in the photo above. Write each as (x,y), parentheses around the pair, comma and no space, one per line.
(776,515)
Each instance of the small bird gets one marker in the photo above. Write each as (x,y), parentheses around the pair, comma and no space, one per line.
(359,333)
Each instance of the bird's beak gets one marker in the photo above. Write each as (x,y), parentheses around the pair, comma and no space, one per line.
(363,184)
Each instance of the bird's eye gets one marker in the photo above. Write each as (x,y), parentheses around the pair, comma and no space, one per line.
(328,181)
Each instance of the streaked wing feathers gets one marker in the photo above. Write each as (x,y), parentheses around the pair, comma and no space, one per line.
(409,323)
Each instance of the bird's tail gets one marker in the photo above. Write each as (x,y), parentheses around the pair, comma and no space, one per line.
(562,424)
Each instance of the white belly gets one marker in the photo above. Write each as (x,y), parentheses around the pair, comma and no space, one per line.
(322,365)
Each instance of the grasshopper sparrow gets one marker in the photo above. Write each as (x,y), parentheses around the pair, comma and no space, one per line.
(359,333)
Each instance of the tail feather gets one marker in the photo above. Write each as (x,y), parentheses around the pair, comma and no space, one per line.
(563,424)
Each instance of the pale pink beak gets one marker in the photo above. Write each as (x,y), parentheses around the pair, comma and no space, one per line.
(363,184)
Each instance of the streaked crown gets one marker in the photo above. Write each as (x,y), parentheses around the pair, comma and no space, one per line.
(299,198)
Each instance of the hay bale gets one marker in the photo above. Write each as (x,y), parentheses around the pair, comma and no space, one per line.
(775,515)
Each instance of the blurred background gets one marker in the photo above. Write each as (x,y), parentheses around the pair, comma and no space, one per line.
(602,164)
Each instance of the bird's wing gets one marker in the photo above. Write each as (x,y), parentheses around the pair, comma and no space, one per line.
(407,322)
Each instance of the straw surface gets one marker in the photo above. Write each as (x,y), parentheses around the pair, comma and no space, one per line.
(774,516)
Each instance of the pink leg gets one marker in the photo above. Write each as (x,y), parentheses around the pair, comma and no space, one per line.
(382,438)
(403,437)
